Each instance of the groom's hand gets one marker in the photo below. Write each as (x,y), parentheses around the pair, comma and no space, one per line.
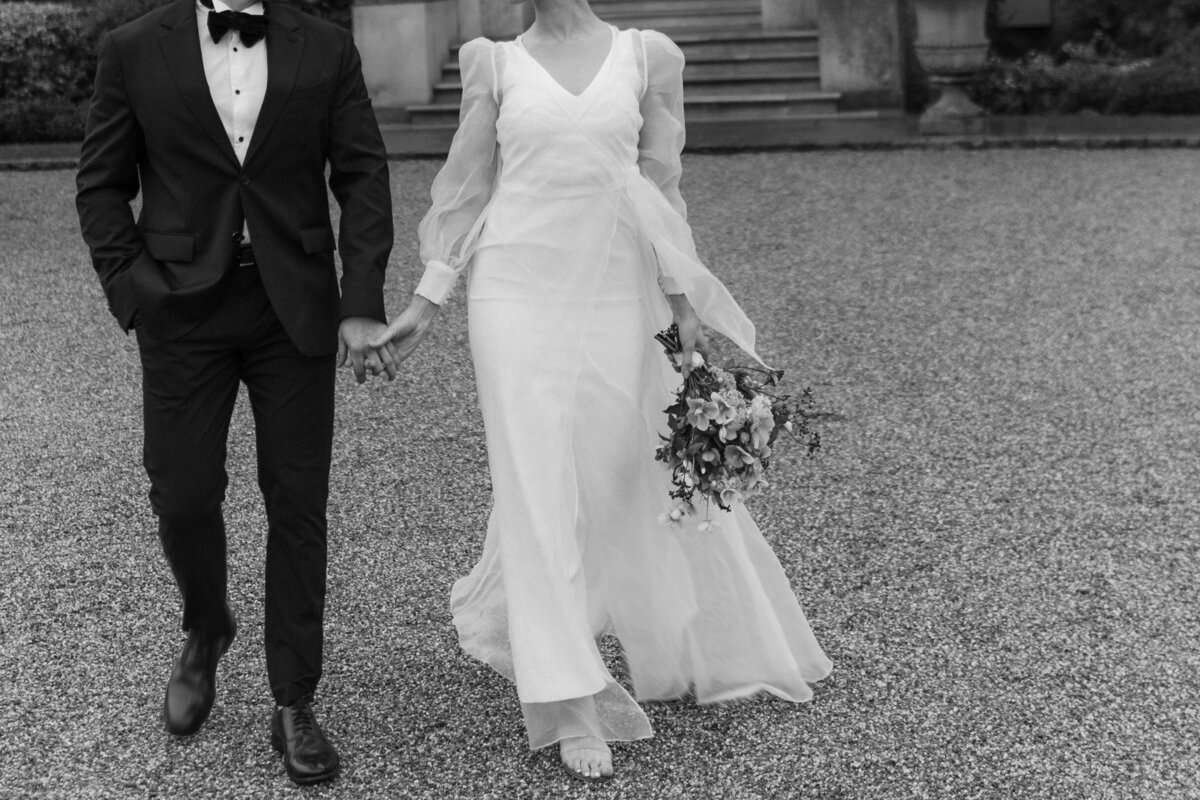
(407,330)
(354,343)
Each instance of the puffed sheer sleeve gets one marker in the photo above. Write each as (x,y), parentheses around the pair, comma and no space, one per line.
(660,207)
(662,135)
(661,140)
(463,187)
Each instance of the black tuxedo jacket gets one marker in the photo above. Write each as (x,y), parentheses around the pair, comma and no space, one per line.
(152,125)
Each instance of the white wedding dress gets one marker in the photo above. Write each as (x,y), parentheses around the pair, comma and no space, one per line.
(566,210)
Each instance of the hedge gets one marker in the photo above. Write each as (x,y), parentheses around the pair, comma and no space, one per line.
(1168,85)
(1142,28)
(1094,78)
(48,59)
(42,50)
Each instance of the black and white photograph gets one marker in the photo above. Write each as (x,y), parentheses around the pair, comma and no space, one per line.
(731,399)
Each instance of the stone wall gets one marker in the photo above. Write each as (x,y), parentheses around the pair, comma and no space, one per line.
(403,46)
(405,43)
(863,52)
(789,14)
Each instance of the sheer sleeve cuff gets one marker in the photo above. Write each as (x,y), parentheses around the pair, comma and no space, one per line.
(669,285)
(436,283)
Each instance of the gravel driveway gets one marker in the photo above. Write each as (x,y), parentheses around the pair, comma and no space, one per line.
(998,546)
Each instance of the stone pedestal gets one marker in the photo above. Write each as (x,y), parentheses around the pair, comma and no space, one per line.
(403,47)
(789,14)
(862,52)
(952,46)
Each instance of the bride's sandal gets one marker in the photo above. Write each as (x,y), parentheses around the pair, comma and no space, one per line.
(586,758)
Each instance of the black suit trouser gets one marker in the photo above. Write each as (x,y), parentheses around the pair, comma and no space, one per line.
(189,388)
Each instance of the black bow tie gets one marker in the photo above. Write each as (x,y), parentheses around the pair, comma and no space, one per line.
(252,27)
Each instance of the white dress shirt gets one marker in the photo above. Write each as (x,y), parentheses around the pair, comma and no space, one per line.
(237,79)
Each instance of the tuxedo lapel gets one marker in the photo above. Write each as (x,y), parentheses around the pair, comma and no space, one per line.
(284,48)
(180,44)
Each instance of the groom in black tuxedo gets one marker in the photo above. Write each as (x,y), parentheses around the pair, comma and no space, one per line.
(225,115)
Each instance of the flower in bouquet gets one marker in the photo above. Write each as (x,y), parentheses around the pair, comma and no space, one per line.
(723,426)
(674,517)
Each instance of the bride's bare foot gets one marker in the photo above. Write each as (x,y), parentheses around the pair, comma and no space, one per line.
(586,757)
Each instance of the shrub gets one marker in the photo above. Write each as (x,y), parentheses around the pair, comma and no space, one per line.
(98,17)
(47,62)
(52,119)
(103,15)
(1083,79)
(48,59)
(1112,56)
(333,10)
(1169,85)
(1142,27)
(41,52)
(1036,84)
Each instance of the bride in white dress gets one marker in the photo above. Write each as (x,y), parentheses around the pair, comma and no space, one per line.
(560,200)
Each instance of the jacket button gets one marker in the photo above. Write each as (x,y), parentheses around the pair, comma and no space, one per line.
(245,180)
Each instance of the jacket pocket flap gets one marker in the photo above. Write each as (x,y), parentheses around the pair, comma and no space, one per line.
(170,246)
(317,240)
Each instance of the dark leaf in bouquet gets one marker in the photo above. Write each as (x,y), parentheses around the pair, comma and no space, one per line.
(774,435)
(669,339)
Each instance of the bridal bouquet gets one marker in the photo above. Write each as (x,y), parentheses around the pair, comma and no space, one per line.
(724,424)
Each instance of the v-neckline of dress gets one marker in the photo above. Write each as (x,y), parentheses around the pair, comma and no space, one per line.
(612,46)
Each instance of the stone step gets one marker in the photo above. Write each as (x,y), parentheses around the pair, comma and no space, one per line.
(700,107)
(795,82)
(672,7)
(736,73)
(736,44)
(736,65)
(672,24)
(726,43)
(748,64)
(760,106)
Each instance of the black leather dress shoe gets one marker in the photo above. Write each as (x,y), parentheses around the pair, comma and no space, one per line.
(307,754)
(193,684)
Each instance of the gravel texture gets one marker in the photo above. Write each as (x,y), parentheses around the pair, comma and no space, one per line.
(998,545)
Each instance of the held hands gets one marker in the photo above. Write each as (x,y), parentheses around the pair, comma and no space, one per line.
(406,332)
(354,343)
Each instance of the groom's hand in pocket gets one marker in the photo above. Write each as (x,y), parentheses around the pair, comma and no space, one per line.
(407,331)
(354,344)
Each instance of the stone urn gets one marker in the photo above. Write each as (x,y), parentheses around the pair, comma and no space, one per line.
(952,46)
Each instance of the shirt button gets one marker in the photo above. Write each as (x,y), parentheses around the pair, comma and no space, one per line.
(241,138)
(237,91)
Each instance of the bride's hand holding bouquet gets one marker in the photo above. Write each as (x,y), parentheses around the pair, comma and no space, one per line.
(692,340)
(723,426)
